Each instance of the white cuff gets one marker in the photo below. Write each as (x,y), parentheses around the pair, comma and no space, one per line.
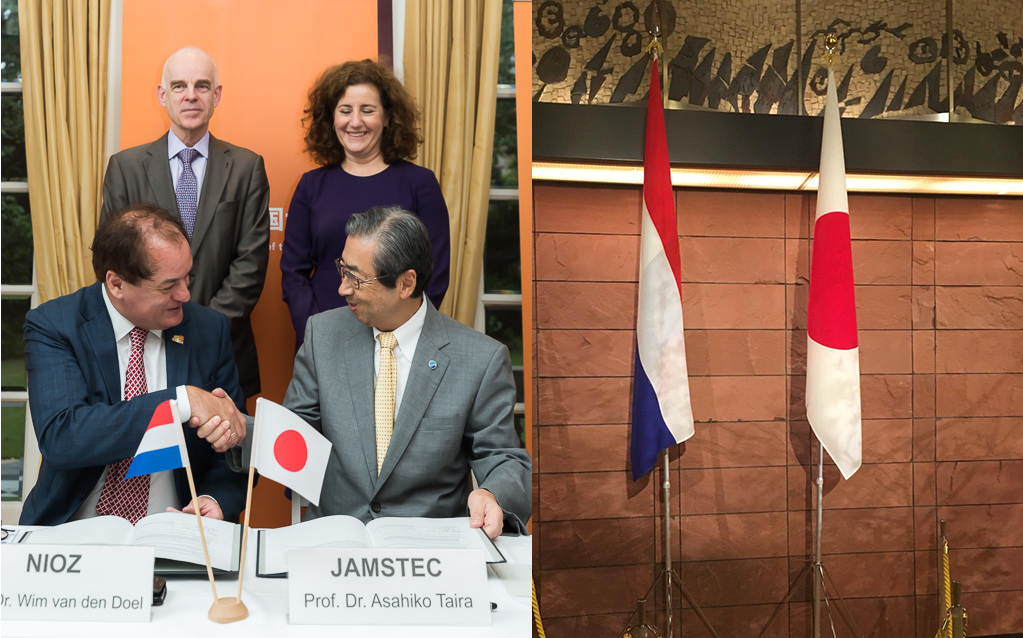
(184,407)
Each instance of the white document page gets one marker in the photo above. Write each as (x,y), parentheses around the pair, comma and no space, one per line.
(100,530)
(431,533)
(174,536)
(327,532)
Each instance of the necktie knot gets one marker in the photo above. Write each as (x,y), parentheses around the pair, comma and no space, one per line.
(138,338)
(387,340)
(187,155)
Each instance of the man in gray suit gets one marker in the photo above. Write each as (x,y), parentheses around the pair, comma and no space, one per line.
(218,190)
(410,399)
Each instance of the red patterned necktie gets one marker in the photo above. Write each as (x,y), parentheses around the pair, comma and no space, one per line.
(128,499)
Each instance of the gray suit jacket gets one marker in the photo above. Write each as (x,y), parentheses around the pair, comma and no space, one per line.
(231,239)
(452,418)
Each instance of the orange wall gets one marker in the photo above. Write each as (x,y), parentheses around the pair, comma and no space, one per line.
(268,55)
(524,136)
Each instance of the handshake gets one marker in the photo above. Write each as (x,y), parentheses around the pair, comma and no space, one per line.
(217,418)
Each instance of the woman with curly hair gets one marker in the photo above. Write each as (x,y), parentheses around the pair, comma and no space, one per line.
(361,128)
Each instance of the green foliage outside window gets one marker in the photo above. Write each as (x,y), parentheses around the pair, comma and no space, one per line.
(10,42)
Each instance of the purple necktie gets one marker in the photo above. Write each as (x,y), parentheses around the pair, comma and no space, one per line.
(187,190)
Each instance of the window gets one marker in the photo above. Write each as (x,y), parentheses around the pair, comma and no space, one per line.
(17,278)
(500,307)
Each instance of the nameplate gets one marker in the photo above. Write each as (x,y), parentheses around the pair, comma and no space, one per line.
(76,582)
(387,587)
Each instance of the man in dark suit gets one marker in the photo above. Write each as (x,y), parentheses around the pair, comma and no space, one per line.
(220,192)
(411,399)
(101,359)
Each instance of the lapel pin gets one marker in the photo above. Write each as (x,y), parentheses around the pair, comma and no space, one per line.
(178,339)
(432,364)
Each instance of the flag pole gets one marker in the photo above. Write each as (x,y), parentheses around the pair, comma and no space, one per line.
(819,591)
(818,566)
(655,51)
(232,609)
(666,507)
(671,578)
(248,503)
(661,411)
(245,530)
(833,407)
(202,534)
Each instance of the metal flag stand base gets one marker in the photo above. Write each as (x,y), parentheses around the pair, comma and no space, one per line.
(670,576)
(820,575)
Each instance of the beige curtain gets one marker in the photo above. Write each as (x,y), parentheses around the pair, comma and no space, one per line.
(64,73)
(451,56)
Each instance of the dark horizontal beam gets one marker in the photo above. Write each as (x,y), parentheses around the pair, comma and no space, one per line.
(614,134)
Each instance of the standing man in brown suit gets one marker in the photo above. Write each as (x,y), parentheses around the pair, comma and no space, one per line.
(219,191)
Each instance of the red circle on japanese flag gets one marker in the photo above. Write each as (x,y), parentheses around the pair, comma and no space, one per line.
(290,450)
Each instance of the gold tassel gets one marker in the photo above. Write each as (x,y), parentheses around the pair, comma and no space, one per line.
(536,614)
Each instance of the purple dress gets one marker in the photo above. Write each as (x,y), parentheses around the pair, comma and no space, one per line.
(314,235)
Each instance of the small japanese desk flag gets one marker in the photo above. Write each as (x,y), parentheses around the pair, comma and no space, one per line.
(288,450)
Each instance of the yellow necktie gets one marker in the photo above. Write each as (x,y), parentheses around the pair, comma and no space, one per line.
(383,400)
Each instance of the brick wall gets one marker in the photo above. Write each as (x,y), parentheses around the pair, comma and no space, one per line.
(940,307)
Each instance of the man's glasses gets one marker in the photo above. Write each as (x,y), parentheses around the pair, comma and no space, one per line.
(350,277)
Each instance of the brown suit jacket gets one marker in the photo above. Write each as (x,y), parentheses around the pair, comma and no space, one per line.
(231,239)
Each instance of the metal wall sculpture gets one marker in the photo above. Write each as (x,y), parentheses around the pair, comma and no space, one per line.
(745,57)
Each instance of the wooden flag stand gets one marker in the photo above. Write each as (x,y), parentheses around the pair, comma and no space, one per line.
(225,610)
(222,607)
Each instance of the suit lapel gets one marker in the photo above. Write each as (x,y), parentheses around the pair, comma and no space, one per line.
(358,359)
(177,352)
(158,171)
(420,387)
(100,332)
(218,168)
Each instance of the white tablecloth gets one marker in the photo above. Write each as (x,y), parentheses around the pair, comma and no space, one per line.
(189,599)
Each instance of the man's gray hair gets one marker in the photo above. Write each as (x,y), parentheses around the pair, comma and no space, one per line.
(163,78)
(403,244)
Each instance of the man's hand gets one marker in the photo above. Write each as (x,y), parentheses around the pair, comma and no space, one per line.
(207,507)
(485,512)
(217,418)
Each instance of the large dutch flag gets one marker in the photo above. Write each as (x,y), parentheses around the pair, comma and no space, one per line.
(163,444)
(833,354)
(661,412)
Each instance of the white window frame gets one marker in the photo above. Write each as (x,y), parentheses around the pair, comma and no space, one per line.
(500,300)
(10,511)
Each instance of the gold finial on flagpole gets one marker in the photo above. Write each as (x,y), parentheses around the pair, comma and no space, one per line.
(656,49)
(655,45)
(830,44)
(655,30)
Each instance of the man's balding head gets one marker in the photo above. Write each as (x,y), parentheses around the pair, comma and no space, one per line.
(190,93)
(193,53)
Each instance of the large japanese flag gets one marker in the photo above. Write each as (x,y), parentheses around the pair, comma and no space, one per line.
(288,450)
(661,413)
(833,354)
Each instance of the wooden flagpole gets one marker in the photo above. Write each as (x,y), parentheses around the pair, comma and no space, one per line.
(202,534)
(225,610)
(248,508)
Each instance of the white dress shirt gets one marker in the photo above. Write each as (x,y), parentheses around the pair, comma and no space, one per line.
(408,338)
(162,492)
(174,146)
